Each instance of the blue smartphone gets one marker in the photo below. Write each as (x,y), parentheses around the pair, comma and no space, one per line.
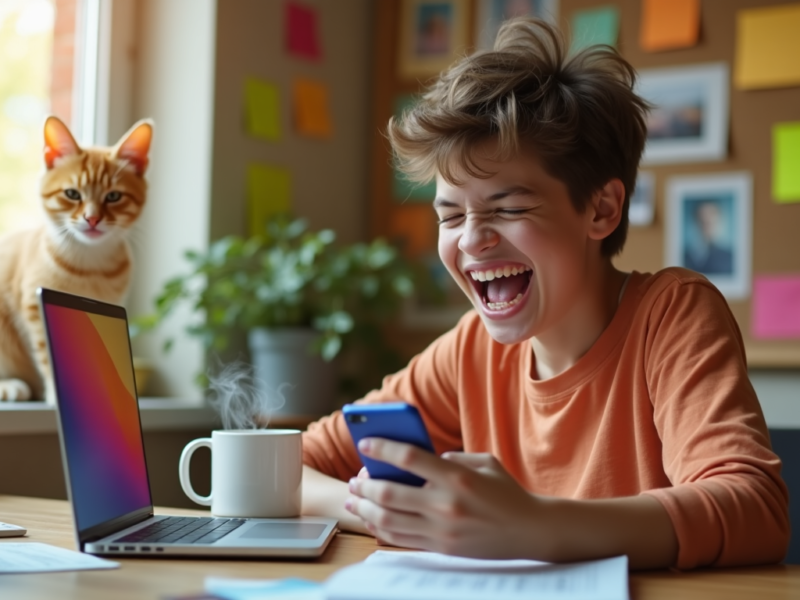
(396,421)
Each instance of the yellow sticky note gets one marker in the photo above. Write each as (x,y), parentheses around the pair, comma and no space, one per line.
(786,162)
(311,115)
(669,24)
(268,194)
(262,109)
(768,47)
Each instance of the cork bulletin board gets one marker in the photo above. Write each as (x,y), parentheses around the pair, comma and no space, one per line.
(775,226)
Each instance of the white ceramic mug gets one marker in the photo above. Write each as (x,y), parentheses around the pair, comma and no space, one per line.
(254,473)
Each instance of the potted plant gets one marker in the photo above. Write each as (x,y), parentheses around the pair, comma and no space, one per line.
(296,296)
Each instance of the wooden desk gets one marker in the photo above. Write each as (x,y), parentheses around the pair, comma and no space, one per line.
(50,521)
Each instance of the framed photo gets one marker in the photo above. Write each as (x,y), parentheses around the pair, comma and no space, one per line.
(492,13)
(709,229)
(643,200)
(689,121)
(432,33)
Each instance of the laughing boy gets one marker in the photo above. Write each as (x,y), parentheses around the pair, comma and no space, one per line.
(578,411)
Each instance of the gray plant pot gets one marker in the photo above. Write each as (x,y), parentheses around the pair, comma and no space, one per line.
(281,356)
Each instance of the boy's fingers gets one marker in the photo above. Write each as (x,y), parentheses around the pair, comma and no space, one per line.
(405,456)
(387,494)
(363,473)
(475,461)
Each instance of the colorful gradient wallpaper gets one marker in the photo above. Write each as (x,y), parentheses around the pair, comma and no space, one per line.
(99,414)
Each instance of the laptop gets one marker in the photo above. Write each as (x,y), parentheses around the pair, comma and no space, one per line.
(103,452)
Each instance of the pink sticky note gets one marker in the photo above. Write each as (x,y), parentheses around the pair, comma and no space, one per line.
(301,31)
(776,307)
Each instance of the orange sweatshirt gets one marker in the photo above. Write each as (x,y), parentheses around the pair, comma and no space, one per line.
(661,404)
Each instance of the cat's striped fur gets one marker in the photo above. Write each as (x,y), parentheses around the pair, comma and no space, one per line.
(90,197)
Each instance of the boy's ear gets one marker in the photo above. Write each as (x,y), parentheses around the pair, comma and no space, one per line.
(134,145)
(58,141)
(606,209)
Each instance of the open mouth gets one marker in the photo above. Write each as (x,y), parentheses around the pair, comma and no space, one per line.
(503,287)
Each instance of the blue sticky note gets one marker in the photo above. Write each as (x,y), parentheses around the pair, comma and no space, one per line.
(595,26)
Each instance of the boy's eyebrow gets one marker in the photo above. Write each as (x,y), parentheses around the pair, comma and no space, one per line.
(512,191)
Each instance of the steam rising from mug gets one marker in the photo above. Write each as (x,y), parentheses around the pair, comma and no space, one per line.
(240,401)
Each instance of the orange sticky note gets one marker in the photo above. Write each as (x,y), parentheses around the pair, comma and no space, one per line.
(669,24)
(767,47)
(311,116)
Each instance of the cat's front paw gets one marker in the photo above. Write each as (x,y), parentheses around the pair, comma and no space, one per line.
(14,390)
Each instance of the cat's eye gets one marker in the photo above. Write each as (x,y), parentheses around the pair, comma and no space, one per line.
(113,196)
(72,194)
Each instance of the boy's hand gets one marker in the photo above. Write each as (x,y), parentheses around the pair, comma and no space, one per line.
(469,506)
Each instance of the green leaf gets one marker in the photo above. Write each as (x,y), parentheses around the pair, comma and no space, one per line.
(330,347)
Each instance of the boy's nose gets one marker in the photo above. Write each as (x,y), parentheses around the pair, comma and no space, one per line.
(477,237)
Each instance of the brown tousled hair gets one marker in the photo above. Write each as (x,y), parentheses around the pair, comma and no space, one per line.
(578,112)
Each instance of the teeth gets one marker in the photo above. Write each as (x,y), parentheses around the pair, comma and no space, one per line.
(502,305)
(506,271)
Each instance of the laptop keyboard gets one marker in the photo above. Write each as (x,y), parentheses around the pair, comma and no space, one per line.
(184,530)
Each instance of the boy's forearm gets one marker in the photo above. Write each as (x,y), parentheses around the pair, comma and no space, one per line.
(637,526)
(324,496)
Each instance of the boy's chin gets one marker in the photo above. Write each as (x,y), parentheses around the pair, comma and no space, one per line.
(511,331)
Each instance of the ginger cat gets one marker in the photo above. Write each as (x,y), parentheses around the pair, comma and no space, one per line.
(91,197)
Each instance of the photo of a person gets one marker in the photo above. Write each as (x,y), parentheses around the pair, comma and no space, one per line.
(708,243)
(709,228)
(434,25)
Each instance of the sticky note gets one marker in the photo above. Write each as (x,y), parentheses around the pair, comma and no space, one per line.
(311,114)
(786,162)
(415,225)
(262,109)
(776,307)
(595,26)
(767,47)
(301,31)
(669,24)
(268,194)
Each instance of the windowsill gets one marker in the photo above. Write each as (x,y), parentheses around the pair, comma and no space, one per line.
(158,414)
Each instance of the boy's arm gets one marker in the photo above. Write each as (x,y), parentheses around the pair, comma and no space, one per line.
(324,496)
(472,507)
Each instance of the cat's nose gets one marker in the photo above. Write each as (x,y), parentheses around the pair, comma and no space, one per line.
(93,220)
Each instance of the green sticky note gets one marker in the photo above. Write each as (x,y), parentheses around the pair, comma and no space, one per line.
(786,162)
(268,194)
(404,190)
(262,109)
(595,26)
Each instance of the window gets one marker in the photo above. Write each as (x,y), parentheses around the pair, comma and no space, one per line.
(36,47)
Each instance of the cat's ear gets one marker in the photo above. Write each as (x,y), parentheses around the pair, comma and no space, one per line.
(58,141)
(134,145)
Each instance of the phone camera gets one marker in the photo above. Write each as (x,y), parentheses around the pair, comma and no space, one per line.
(357,418)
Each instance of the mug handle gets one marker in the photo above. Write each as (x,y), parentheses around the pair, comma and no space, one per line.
(183,471)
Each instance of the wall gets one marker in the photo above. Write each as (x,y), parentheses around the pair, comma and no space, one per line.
(329,177)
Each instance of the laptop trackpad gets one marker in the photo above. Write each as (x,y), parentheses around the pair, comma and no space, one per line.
(284,531)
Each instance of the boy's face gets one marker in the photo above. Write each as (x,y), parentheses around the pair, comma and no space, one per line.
(516,246)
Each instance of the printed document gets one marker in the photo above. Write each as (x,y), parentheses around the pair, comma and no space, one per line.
(33,557)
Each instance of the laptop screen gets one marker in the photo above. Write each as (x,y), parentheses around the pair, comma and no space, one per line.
(98,409)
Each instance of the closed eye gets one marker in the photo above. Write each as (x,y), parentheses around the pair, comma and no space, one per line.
(449,219)
(513,211)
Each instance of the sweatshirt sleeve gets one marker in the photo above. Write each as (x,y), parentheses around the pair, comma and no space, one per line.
(728,503)
(429,382)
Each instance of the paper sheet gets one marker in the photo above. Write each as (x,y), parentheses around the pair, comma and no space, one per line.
(786,162)
(301,31)
(767,47)
(595,26)
(428,576)
(268,194)
(33,557)
(262,109)
(776,307)
(669,24)
(311,114)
